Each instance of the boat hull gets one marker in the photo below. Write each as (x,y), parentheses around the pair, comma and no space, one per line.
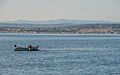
(34,48)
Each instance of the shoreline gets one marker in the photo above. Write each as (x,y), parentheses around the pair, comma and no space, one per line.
(58,34)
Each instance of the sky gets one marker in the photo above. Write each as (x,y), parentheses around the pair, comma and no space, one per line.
(39,10)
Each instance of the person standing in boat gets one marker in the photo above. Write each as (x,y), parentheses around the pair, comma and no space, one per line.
(15,46)
(29,47)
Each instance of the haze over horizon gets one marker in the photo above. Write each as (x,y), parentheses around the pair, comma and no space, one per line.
(41,10)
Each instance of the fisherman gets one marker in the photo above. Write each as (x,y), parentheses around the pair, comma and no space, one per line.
(29,47)
(15,46)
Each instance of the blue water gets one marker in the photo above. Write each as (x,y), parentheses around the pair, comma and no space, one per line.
(68,54)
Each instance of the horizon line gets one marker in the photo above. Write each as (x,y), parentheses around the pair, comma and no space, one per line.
(59,19)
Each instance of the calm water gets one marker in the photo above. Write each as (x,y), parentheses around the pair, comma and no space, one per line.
(70,54)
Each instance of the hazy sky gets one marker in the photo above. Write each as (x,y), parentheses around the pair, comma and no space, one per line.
(59,9)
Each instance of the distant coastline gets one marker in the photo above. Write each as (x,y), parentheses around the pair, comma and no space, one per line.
(60,28)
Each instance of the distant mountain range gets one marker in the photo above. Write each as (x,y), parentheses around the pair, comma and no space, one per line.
(61,21)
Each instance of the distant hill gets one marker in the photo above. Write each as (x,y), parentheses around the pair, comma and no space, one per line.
(61,21)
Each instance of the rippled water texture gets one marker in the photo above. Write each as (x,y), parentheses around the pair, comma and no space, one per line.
(68,54)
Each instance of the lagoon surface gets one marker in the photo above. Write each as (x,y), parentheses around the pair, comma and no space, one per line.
(60,54)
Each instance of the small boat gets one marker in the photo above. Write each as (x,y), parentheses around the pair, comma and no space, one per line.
(29,48)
